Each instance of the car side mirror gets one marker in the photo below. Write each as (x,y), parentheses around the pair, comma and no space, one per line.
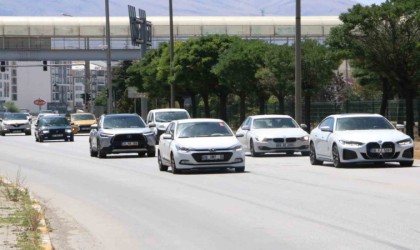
(167,136)
(152,124)
(240,135)
(246,127)
(303,126)
(326,129)
(400,127)
(94,126)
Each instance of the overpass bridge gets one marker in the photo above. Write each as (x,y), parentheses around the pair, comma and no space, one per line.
(26,38)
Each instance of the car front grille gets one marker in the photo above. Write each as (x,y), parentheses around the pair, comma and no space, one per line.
(56,131)
(385,150)
(199,156)
(291,139)
(118,141)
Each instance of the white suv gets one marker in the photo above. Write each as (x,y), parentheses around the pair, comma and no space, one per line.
(159,119)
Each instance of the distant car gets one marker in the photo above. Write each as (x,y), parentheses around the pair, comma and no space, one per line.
(53,127)
(159,119)
(260,134)
(199,144)
(82,122)
(359,138)
(12,123)
(121,133)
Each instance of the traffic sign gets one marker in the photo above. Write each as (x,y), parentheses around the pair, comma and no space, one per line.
(39,102)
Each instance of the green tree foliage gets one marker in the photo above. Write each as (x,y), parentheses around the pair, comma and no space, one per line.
(120,78)
(11,107)
(384,39)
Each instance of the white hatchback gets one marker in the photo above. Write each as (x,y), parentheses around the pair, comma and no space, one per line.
(359,138)
(199,144)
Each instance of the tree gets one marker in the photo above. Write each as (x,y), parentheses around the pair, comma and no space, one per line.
(119,84)
(385,38)
(11,107)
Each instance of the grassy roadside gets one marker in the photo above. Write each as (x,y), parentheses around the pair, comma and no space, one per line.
(20,218)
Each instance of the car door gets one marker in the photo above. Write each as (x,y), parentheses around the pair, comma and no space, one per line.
(323,133)
(242,133)
(165,144)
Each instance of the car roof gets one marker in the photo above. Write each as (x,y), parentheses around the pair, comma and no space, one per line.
(199,120)
(270,116)
(84,113)
(168,109)
(355,115)
(122,114)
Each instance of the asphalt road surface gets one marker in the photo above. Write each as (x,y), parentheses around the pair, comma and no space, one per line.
(125,202)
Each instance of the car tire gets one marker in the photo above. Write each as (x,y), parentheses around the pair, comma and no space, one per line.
(92,152)
(290,153)
(151,152)
(312,155)
(2,133)
(72,138)
(40,139)
(240,169)
(336,157)
(101,153)
(406,163)
(305,153)
(252,149)
(173,165)
(142,154)
(28,133)
(161,166)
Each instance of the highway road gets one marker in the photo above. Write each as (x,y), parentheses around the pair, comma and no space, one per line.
(125,202)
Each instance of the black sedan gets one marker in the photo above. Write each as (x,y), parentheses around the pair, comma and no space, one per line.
(53,127)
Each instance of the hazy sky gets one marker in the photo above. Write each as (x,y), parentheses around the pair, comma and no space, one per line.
(371,1)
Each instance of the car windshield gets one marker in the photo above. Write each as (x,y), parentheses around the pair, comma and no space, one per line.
(123,122)
(283,122)
(15,116)
(203,129)
(169,116)
(362,123)
(83,117)
(53,121)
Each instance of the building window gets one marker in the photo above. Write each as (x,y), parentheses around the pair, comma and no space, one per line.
(14,97)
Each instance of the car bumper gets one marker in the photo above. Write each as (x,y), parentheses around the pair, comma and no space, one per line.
(194,159)
(13,129)
(360,154)
(109,146)
(272,147)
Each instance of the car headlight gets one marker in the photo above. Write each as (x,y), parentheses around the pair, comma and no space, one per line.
(182,148)
(304,138)
(105,134)
(404,142)
(68,130)
(351,143)
(236,147)
(261,139)
(45,131)
(149,134)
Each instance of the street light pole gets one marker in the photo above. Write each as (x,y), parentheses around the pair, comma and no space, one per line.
(171,52)
(298,66)
(108,58)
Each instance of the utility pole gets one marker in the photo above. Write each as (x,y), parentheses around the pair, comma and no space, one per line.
(171,49)
(298,67)
(108,58)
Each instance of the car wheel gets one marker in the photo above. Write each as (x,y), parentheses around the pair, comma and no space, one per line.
(101,153)
(151,152)
(65,139)
(240,169)
(142,154)
(252,149)
(290,153)
(2,133)
(305,153)
(312,155)
(28,133)
(161,166)
(336,157)
(92,152)
(72,138)
(40,139)
(406,163)
(173,165)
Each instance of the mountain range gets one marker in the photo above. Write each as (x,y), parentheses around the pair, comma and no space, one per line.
(180,7)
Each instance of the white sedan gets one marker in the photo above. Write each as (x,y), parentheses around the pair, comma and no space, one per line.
(199,144)
(261,134)
(359,138)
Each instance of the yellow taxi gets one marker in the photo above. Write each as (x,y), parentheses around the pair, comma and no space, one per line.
(81,122)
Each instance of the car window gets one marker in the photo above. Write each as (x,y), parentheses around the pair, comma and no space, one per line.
(83,117)
(246,122)
(328,122)
(277,122)
(123,122)
(169,116)
(15,116)
(203,129)
(53,121)
(362,123)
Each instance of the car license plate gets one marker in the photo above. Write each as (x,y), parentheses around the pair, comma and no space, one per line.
(212,157)
(130,143)
(57,135)
(283,145)
(86,128)
(381,150)
(17,131)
